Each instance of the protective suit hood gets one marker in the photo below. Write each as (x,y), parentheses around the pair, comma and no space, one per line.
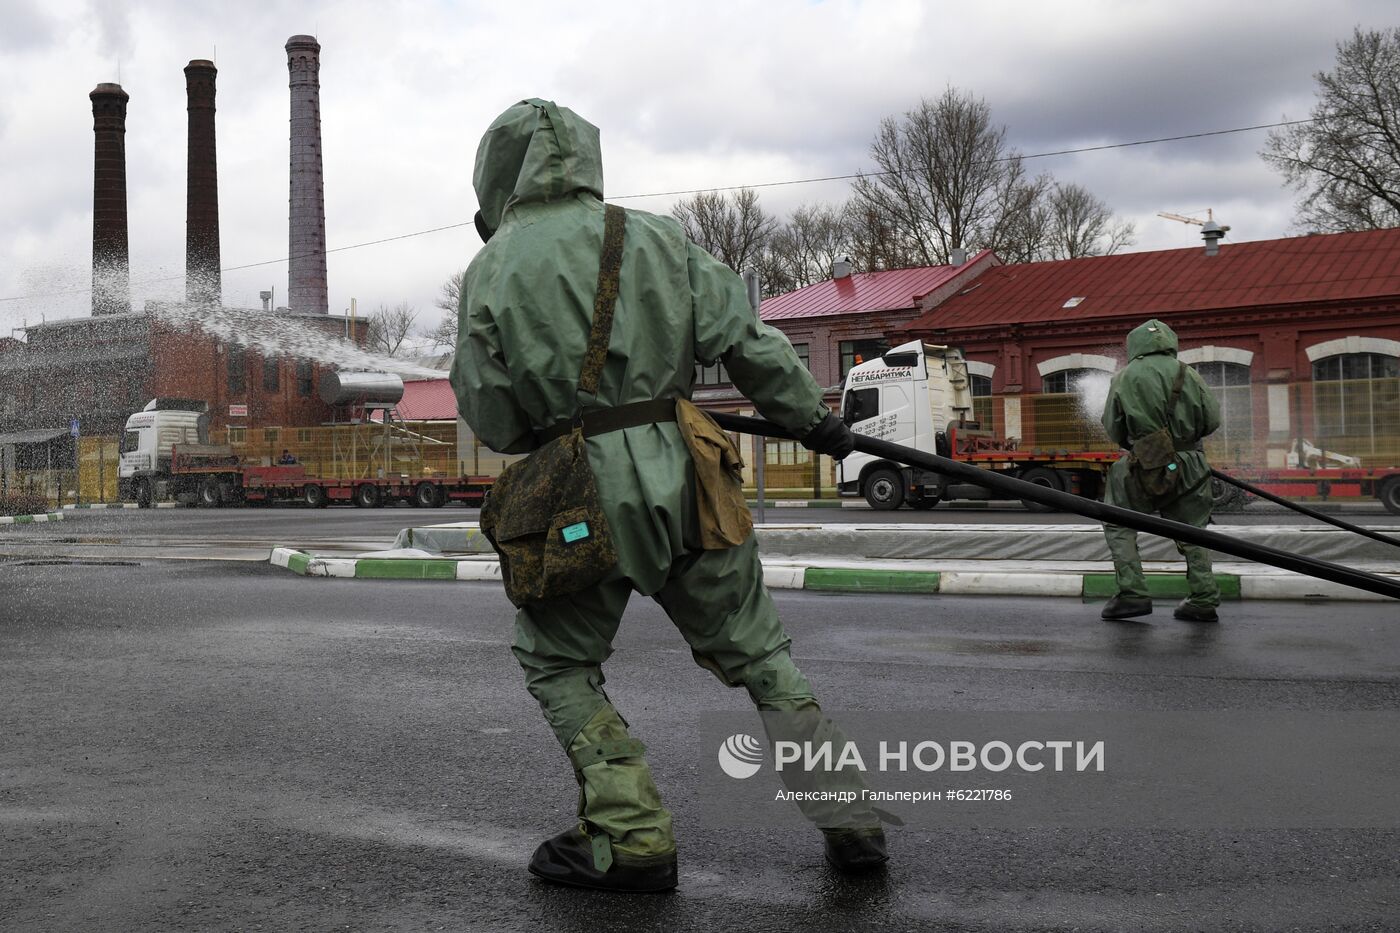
(535,151)
(1151,337)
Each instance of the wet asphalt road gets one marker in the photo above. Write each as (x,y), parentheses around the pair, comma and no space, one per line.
(336,527)
(200,746)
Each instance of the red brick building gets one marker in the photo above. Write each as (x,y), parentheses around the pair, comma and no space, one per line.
(1299,336)
(100,369)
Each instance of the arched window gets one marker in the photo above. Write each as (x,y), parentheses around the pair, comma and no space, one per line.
(1066,413)
(1356,402)
(1229,383)
(1064,381)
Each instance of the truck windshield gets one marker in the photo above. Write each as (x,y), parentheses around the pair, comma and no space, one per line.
(130,441)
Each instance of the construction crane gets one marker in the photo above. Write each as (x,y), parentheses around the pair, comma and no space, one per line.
(1210,219)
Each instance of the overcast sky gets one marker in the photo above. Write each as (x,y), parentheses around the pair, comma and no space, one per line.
(688,95)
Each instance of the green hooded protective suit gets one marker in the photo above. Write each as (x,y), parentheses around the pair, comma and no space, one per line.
(1137,406)
(525,313)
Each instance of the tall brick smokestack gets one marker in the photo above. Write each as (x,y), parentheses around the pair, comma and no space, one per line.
(111,283)
(202,281)
(307,208)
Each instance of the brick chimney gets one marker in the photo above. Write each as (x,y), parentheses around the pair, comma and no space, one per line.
(111,282)
(202,280)
(306,271)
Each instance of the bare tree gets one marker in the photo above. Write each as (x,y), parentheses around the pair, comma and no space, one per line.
(445,333)
(1082,225)
(1021,218)
(947,177)
(388,328)
(804,248)
(1345,162)
(875,239)
(949,180)
(734,229)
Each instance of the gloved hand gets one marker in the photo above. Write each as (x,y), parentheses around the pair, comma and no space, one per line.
(831,436)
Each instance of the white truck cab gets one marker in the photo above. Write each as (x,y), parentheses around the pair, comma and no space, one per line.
(148,441)
(909,396)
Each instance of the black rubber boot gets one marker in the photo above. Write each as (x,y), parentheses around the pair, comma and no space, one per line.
(568,859)
(1186,611)
(1126,607)
(856,851)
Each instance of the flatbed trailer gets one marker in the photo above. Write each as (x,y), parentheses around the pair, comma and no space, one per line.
(1082,473)
(212,479)
(1324,485)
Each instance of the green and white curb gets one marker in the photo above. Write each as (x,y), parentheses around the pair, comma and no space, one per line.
(119,505)
(788,575)
(811,503)
(385,568)
(31,519)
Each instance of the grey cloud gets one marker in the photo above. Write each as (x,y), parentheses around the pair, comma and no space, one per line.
(111,25)
(26,26)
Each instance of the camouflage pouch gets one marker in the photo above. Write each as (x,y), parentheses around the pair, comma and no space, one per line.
(1153,462)
(545,521)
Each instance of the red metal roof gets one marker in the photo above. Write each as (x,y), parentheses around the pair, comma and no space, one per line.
(428,400)
(890,290)
(1323,267)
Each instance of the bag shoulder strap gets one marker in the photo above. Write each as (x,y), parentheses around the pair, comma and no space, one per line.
(609,265)
(1175,397)
(1176,387)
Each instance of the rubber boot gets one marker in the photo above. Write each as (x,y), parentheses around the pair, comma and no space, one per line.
(856,851)
(572,858)
(623,839)
(1126,607)
(1188,611)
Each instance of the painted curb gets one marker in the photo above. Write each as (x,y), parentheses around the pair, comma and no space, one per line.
(811,503)
(119,505)
(850,580)
(982,583)
(1298,587)
(785,575)
(31,519)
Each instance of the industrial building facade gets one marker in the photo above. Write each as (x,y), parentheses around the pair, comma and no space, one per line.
(1299,337)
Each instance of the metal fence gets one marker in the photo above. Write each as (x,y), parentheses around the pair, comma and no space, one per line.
(1309,424)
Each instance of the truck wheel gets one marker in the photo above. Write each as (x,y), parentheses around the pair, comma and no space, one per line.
(144,496)
(884,490)
(209,496)
(1046,478)
(427,495)
(1224,497)
(1390,496)
(313,496)
(367,496)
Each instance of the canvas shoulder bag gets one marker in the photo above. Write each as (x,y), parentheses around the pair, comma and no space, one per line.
(725,520)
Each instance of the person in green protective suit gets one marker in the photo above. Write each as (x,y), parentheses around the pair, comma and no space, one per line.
(525,313)
(1155,391)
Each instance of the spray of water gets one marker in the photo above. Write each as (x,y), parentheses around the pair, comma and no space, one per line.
(276,334)
(1091,394)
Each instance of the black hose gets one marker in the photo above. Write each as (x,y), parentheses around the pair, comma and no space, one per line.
(1089,508)
(1297,507)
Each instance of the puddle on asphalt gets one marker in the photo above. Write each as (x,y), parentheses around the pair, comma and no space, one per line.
(75,562)
(1015,647)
